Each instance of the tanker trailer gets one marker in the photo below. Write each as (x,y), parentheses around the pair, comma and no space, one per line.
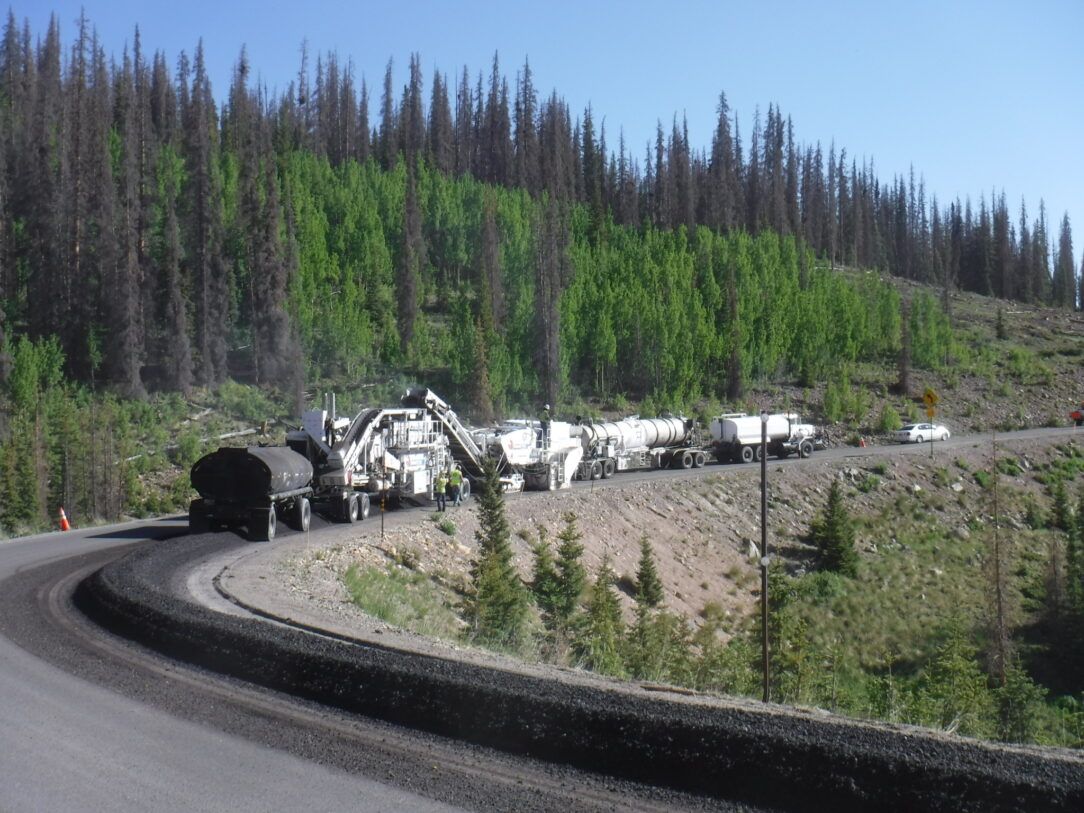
(738,437)
(639,443)
(250,487)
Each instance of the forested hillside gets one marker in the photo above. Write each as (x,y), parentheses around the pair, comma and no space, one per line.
(158,236)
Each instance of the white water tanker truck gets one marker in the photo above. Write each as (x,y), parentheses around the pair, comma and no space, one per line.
(737,437)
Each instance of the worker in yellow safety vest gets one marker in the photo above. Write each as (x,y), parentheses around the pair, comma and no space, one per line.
(455,480)
(439,489)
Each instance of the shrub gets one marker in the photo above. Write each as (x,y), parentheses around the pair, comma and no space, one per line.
(447,526)
(889,421)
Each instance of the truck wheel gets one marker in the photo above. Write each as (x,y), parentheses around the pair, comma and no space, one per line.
(262,524)
(747,454)
(686,460)
(197,518)
(759,453)
(805,449)
(302,514)
(608,468)
(596,470)
(464,490)
(364,506)
(699,459)
(350,509)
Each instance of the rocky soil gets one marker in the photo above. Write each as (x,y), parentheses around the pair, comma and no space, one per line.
(704,529)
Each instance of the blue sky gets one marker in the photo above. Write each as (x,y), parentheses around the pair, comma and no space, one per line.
(975,95)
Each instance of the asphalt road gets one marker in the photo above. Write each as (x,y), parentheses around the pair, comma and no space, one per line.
(91,722)
(82,730)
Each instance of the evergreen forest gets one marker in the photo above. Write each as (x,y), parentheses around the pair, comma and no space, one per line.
(159,236)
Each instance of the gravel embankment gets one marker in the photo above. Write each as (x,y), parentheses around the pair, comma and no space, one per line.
(770,756)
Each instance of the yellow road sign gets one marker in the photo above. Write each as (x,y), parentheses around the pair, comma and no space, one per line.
(930,398)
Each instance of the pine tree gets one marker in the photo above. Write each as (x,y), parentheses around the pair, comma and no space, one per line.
(600,629)
(648,585)
(545,582)
(833,534)
(389,137)
(570,572)
(1018,704)
(552,268)
(1074,560)
(956,688)
(496,607)
(204,227)
(1063,513)
(658,647)
(1064,284)
(172,349)
(482,400)
(441,141)
(411,264)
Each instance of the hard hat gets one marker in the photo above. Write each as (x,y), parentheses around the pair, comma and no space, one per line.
(546,406)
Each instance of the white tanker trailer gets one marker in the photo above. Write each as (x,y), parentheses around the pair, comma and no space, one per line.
(738,437)
(639,443)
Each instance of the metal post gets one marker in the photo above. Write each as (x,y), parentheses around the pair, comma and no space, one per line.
(764,549)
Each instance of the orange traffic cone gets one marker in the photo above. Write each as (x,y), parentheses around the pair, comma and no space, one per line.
(64,524)
(862,442)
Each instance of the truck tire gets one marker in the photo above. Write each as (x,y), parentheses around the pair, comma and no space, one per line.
(262,524)
(608,468)
(596,470)
(747,454)
(464,490)
(699,459)
(805,449)
(350,509)
(686,460)
(364,506)
(759,453)
(197,518)
(302,514)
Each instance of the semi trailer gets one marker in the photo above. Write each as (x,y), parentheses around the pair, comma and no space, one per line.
(251,487)
(639,443)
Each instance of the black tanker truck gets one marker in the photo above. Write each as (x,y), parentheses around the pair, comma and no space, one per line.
(251,487)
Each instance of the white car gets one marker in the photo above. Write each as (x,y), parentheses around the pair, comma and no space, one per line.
(919,432)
